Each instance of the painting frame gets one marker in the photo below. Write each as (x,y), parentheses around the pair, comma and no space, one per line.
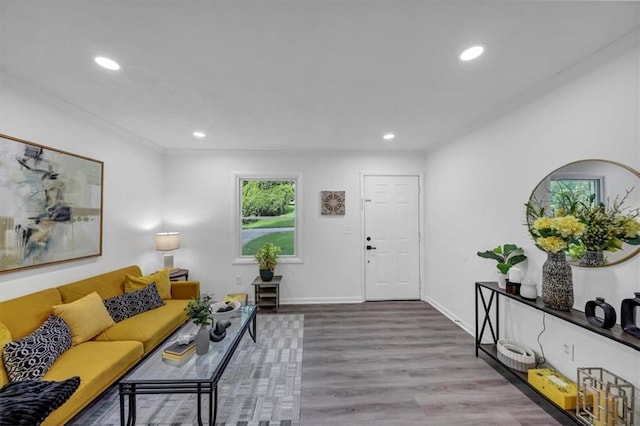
(52,205)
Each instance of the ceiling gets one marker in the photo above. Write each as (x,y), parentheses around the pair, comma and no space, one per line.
(305,75)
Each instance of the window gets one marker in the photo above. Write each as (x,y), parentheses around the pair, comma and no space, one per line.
(566,192)
(269,213)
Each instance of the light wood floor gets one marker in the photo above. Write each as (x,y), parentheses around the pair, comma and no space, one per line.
(403,363)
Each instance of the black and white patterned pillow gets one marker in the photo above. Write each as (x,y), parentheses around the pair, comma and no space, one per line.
(31,356)
(118,307)
(127,305)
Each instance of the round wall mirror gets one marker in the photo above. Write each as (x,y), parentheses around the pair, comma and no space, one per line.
(591,183)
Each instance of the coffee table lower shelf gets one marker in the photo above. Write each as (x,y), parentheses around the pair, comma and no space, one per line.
(130,390)
(492,351)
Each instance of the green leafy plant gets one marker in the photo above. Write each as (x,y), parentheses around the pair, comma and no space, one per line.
(267,256)
(506,255)
(199,310)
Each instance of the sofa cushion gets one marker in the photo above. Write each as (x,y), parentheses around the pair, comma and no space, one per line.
(165,320)
(31,356)
(31,401)
(86,317)
(5,337)
(130,304)
(36,306)
(161,278)
(98,364)
(106,285)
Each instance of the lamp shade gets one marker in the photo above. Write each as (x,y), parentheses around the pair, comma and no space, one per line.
(167,241)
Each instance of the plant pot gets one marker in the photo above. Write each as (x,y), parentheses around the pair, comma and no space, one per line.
(202,340)
(592,258)
(502,281)
(557,282)
(266,274)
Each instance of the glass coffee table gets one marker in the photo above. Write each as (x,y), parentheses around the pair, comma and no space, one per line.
(196,374)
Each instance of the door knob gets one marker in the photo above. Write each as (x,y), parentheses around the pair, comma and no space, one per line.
(370,248)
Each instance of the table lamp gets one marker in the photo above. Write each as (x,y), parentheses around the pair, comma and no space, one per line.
(168,241)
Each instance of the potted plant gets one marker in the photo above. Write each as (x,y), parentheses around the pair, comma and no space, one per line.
(199,311)
(267,258)
(507,255)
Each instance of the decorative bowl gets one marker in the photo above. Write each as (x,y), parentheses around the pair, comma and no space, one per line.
(224,316)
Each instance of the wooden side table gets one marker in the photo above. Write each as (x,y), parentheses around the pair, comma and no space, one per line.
(176,274)
(267,293)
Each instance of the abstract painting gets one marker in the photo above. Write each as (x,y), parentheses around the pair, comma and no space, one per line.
(332,203)
(51,205)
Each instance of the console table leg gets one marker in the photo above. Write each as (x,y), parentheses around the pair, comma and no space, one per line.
(487,319)
(476,317)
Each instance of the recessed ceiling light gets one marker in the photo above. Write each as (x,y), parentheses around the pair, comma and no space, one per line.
(199,134)
(388,136)
(472,53)
(107,63)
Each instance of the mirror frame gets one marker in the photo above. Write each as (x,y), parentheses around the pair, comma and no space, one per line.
(615,163)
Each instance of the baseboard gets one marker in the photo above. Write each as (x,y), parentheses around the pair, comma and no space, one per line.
(457,321)
(319,300)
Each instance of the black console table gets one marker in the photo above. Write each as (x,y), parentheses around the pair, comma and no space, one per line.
(488,293)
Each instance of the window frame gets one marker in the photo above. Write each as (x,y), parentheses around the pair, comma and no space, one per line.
(298,229)
(598,180)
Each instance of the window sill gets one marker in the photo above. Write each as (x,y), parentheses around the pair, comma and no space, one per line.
(250,261)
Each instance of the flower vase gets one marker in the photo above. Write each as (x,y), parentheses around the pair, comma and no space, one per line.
(592,258)
(202,340)
(557,282)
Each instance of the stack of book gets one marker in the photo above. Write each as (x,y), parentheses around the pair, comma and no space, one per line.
(176,353)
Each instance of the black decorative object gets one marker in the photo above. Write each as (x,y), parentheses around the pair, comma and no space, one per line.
(627,312)
(609,313)
(219,332)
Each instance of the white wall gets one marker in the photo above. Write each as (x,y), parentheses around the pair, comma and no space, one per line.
(476,189)
(133,175)
(203,209)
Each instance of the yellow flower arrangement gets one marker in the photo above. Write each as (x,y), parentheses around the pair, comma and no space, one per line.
(583,225)
(554,234)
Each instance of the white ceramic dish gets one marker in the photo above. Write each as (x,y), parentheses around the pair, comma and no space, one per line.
(223,316)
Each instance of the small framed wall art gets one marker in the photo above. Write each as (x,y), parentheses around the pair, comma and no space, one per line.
(332,203)
(51,208)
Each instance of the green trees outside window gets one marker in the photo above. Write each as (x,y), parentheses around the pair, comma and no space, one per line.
(268,215)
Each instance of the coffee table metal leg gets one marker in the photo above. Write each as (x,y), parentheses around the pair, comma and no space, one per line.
(199,394)
(132,408)
(121,408)
(214,403)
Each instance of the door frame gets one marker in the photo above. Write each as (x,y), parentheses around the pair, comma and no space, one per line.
(421,218)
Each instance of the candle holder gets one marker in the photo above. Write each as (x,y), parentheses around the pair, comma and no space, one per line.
(604,398)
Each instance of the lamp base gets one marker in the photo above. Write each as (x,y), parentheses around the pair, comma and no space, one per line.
(168,260)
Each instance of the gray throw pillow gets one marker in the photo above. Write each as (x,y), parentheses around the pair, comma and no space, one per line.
(31,356)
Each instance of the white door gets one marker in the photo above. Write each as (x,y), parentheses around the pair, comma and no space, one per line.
(392,237)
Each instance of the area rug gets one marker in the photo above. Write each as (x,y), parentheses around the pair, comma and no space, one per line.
(260,387)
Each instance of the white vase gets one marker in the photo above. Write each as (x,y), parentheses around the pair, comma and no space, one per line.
(502,281)
(202,340)
(529,290)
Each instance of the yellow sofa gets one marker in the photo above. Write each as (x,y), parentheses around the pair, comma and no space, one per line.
(101,361)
